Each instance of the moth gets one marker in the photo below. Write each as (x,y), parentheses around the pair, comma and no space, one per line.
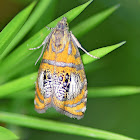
(61,81)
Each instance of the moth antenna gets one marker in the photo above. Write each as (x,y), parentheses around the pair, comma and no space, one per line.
(79,46)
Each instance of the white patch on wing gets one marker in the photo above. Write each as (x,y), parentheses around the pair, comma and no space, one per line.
(75,86)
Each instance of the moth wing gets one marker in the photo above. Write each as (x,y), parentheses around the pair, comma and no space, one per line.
(70,94)
(44,84)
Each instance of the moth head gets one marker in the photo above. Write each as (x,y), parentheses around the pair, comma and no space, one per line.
(62,24)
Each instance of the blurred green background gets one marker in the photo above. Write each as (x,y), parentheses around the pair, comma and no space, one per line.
(121,67)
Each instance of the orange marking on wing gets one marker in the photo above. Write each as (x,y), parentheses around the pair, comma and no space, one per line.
(78,61)
(81,74)
(72,110)
(38,92)
(47,101)
(65,69)
(64,57)
(40,105)
(49,54)
(58,103)
(45,66)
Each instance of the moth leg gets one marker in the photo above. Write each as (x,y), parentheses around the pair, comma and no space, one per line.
(49,28)
(40,53)
(74,39)
(36,47)
(44,43)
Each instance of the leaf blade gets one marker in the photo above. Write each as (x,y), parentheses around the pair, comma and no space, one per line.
(10,31)
(36,123)
(39,9)
(6,134)
(113,91)
(85,26)
(18,84)
(100,52)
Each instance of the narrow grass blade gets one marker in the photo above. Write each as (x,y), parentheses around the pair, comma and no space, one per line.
(72,14)
(24,94)
(6,134)
(10,31)
(22,52)
(100,52)
(112,91)
(85,26)
(47,16)
(25,82)
(32,20)
(66,128)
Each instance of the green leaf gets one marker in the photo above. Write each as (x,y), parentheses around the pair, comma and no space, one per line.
(44,19)
(100,52)
(10,31)
(22,83)
(85,26)
(32,20)
(28,81)
(22,52)
(66,128)
(5,134)
(112,91)
(24,94)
